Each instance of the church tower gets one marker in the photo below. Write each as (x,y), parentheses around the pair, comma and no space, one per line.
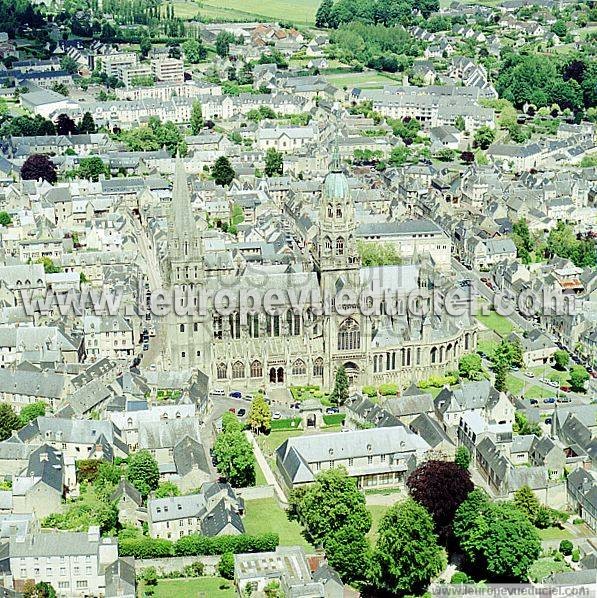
(185,253)
(336,245)
(187,340)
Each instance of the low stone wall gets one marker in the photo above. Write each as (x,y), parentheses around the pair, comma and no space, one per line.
(255,492)
(177,563)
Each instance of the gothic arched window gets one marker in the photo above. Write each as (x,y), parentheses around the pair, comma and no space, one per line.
(238,370)
(340,246)
(318,367)
(221,371)
(299,368)
(349,335)
(256,369)
(330,211)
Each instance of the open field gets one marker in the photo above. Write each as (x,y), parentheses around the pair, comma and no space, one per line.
(554,533)
(265,516)
(517,385)
(301,12)
(198,587)
(499,324)
(367,79)
(270,442)
(185,10)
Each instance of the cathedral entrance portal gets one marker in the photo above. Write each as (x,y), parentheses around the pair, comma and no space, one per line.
(276,375)
(352,372)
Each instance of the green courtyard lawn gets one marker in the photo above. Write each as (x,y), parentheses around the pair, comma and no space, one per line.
(562,376)
(517,385)
(270,442)
(377,512)
(487,347)
(264,515)
(499,324)
(555,533)
(259,477)
(194,587)
(543,567)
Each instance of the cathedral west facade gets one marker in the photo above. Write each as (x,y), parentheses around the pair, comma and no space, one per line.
(303,346)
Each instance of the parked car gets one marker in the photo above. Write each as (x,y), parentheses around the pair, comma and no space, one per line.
(296,405)
(153,367)
(219,392)
(236,394)
(345,430)
(564,399)
(529,375)
(331,410)
(145,346)
(548,421)
(241,412)
(276,415)
(534,402)
(248,397)
(232,410)
(549,400)
(565,388)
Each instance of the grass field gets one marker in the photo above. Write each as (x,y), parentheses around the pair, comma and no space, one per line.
(184,10)
(265,516)
(516,385)
(541,568)
(259,477)
(499,324)
(197,587)
(301,12)
(554,533)
(270,442)
(368,79)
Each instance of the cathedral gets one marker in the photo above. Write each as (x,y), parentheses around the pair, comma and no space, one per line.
(298,346)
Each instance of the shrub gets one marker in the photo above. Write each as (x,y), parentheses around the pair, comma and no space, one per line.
(578,521)
(388,389)
(285,424)
(370,391)
(145,548)
(575,555)
(195,544)
(194,569)
(334,419)
(460,577)
(226,566)
(566,547)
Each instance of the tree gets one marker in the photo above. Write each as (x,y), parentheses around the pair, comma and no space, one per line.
(145,46)
(69,64)
(340,392)
(166,489)
(578,378)
(235,459)
(559,28)
(459,123)
(500,370)
(87,124)
(471,366)
(49,266)
(406,556)
(5,219)
(330,503)
(9,421)
(65,125)
(30,412)
(462,458)
(38,166)
(566,547)
(91,168)
(194,50)
(323,17)
(143,472)
(399,156)
(525,427)
(196,118)
(223,41)
(226,566)
(348,552)
(150,576)
(222,172)
(526,502)
(60,88)
(260,415)
(274,163)
(496,538)
(441,487)
(561,359)
(42,589)
(484,137)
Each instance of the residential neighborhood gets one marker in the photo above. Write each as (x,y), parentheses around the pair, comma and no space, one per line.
(298,299)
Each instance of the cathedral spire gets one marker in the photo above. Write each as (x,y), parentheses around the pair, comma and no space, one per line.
(336,165)
(182,213)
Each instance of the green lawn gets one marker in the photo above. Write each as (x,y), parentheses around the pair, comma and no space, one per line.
(563,377)
(259,477)
(368,79)
(377,512)
(195,587)
(487,347)
(265,515)
(517,385)
(185,10)
(270,442)
(499,324)
(554,533)
(301,12)
(541,568)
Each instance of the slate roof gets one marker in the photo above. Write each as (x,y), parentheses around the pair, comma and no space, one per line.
(218,518)
(190,453)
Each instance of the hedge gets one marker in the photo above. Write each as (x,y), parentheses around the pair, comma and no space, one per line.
(196,545)
(333,419)
(286,424)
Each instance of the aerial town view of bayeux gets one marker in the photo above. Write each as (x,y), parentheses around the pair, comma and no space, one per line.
(298,298)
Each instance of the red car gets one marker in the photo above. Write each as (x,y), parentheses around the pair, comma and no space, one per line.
(232,410)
